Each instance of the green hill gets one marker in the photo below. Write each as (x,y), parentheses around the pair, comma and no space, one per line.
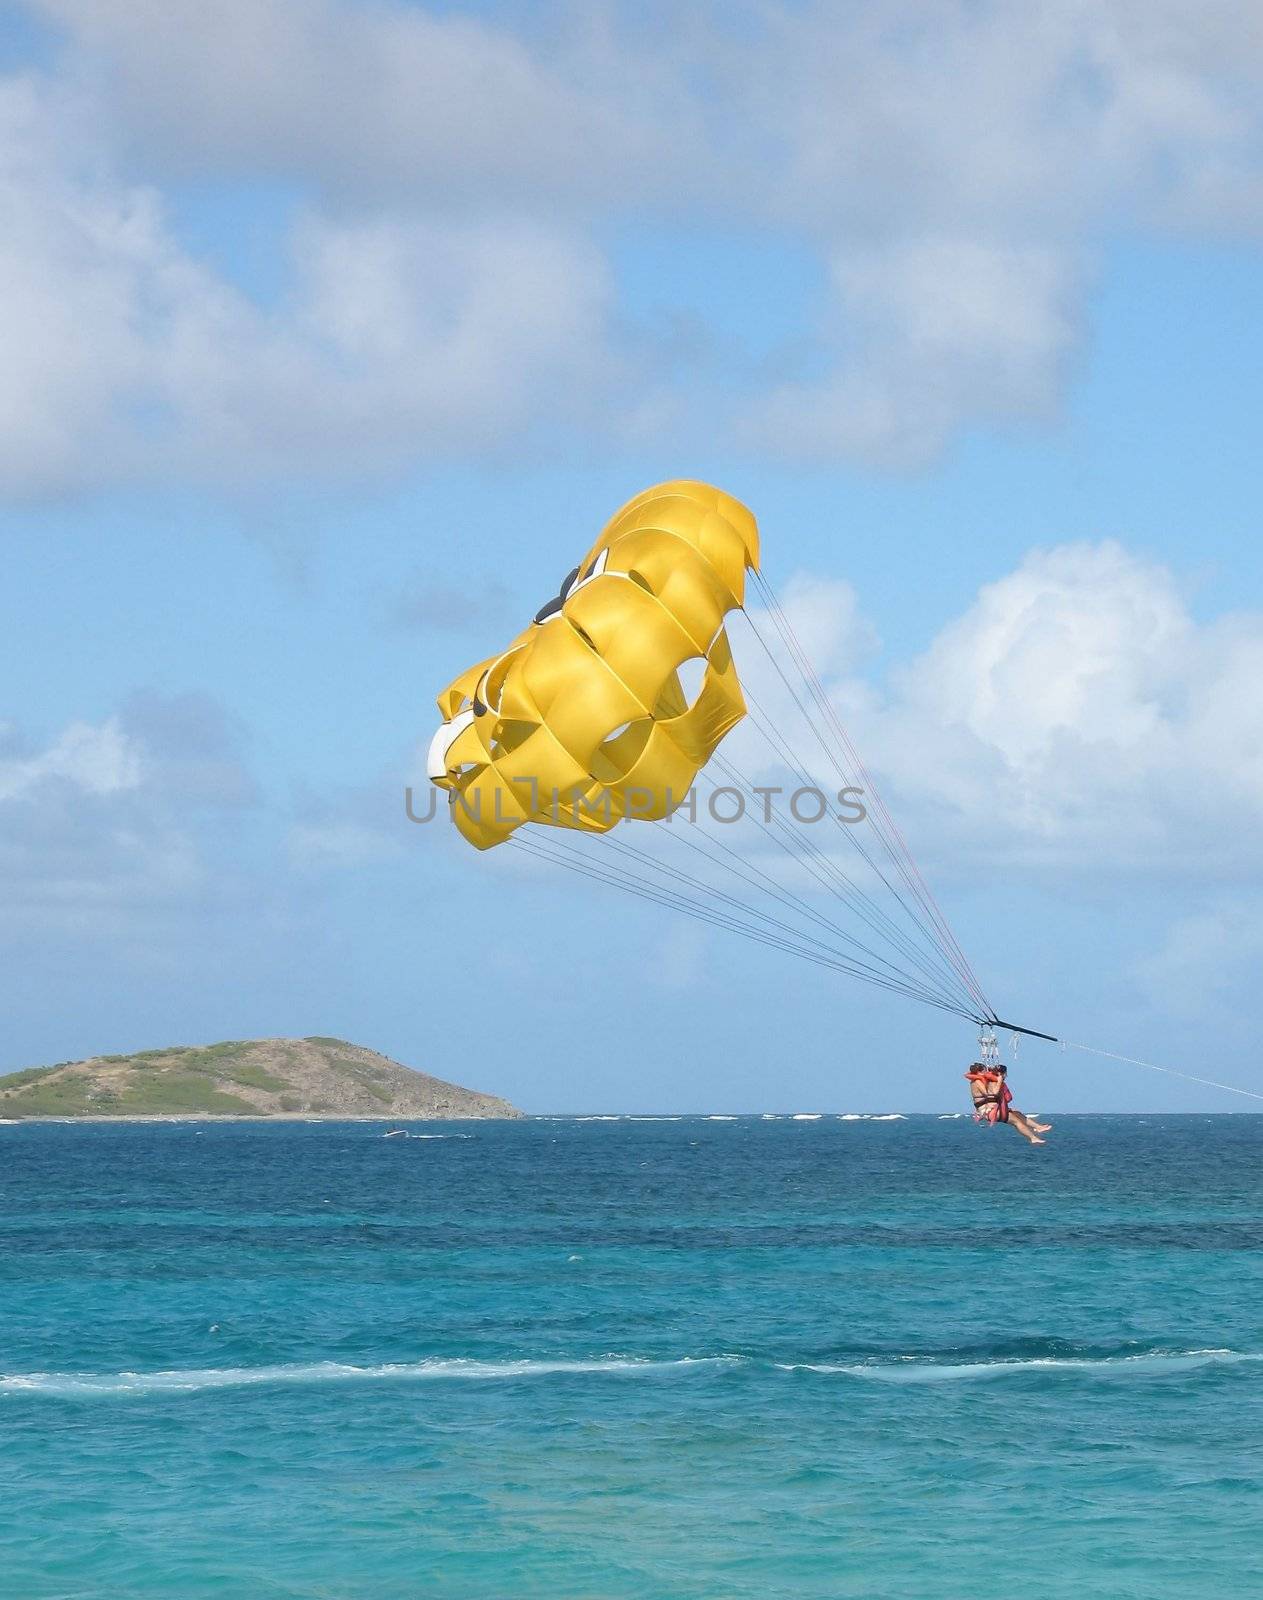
(242,1078)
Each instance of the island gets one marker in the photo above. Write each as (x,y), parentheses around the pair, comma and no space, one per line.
(297,1079)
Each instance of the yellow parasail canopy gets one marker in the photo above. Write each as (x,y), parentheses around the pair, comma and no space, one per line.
(586,719)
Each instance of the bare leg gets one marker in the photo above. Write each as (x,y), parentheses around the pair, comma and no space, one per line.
(1018,1121)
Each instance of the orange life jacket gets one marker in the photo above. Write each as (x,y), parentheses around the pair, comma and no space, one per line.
(993,1106)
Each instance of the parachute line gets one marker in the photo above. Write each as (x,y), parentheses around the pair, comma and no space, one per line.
(929,922)
(794,902)
(611,705)
(703,913)
(899,851)
(835,882)
(922,960)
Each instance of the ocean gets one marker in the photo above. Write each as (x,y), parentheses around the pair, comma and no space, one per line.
(686,1359)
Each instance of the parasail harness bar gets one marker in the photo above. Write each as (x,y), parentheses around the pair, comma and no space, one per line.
(1031,1033)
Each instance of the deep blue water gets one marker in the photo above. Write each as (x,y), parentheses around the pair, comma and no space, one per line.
(704,1360)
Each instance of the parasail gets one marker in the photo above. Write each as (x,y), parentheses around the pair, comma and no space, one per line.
(603,717)
(585,719)
(613,703)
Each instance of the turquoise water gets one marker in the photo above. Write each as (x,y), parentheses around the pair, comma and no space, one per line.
(697,1359)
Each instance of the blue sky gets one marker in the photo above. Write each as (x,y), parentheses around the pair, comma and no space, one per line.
(307,411)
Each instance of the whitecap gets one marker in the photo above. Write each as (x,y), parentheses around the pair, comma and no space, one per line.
(917,1369)
(402,1133)
(806,1116)
(194,1379)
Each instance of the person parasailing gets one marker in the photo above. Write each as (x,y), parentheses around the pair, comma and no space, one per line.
(993,1100)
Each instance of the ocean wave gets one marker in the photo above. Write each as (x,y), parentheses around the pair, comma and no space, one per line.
(806,1116)
(924,1369)
(872,1116)
(904,1369)
(403,1133)
(189,1380)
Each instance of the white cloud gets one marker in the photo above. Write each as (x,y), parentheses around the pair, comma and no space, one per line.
(116,819)
(98,760)
(964,164)
(940,328)
(1076,715)
(824,617)
(402,339)
(391,101)
(955,168)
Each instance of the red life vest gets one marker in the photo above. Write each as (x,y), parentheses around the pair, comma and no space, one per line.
(993,1106)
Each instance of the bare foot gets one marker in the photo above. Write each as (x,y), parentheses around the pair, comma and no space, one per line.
(1041,1127)
(1039,1141)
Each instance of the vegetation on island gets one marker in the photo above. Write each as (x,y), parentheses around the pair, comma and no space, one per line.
(315,1076)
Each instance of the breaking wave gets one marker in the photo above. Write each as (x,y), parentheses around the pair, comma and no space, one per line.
(916,1368)
(404,1133)
(187,1380)
(926,1369)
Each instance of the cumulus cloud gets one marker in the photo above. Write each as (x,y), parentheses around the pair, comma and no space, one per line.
(391,102)
(1076,716)
(95,760)
(964,165)
(829,627)
(942,328)
(111,820)
(955,170)
(402,338)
